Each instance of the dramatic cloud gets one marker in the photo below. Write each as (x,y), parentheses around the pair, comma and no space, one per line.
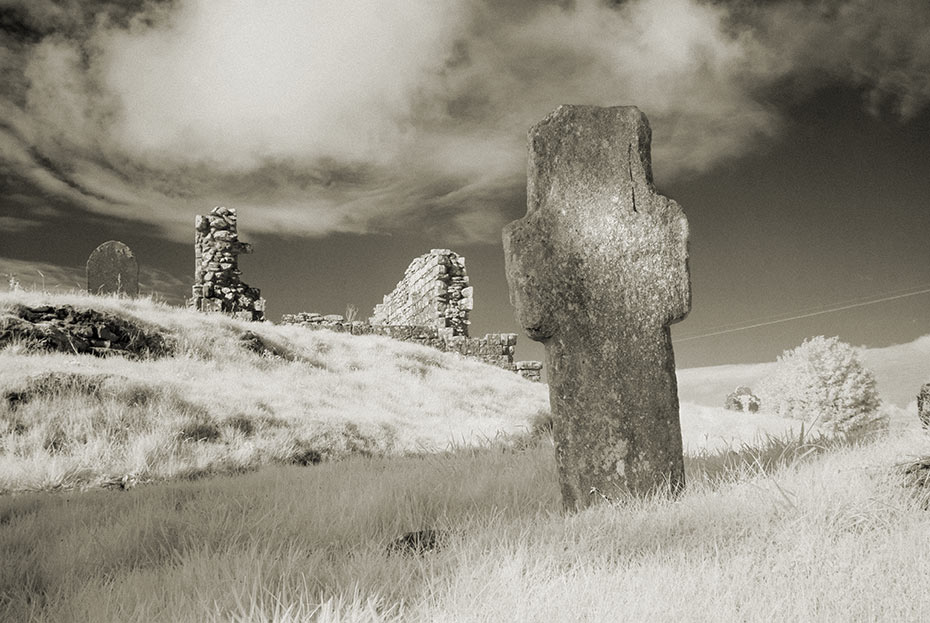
(383,114)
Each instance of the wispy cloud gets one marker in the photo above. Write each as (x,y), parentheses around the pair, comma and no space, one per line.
(380,114)
(41,275)
(16,224)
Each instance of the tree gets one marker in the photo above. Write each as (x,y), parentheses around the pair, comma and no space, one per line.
(822,382)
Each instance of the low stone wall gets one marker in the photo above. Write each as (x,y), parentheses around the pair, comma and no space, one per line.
(434,293)
(530,370)
(495,349)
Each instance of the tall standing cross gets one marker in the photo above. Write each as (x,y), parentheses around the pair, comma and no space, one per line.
(598,269)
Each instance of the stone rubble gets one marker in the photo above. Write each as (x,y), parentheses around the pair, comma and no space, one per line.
(67,329)
(742,399)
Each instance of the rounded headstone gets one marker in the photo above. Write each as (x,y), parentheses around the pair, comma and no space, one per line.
(112,269)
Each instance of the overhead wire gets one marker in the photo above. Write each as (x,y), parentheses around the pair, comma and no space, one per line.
(804,315)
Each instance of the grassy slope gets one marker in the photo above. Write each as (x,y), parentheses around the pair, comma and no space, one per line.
(341,394)
(834,538)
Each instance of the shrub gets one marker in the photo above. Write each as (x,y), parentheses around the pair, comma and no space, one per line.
(823,382)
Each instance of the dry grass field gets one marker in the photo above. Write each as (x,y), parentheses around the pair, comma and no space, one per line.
(215,406)
(221,485)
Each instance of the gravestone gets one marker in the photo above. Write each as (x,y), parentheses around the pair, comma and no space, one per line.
(112,269)
(598,269)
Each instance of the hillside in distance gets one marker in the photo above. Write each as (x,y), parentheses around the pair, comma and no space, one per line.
(900,370)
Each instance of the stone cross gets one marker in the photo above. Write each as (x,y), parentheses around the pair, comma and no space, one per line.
(598,269)
(112,269)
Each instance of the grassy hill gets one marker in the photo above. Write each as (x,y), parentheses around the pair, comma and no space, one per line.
(247,517)
(214,405)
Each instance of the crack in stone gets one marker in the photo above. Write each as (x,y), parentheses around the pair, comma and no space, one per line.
(629,162)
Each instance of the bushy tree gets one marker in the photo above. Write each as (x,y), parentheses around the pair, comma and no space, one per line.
(822,382)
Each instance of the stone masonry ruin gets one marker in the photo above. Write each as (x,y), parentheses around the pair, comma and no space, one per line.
(430,306)
(217,286)
(433,293)
(742,399)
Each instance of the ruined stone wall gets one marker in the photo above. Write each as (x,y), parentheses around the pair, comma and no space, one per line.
(217,286)
(434,293)
(494,348)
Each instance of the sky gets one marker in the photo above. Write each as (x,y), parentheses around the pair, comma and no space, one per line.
(354,136)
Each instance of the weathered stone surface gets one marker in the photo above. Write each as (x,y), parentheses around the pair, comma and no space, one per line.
(112,269)
(598,269)
(530,370)
(923,405)
(742,399)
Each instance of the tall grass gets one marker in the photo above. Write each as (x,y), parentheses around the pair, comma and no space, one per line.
(809,536)
(797,526)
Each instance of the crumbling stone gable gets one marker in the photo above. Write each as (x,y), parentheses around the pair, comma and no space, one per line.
(217,286)
(433,293)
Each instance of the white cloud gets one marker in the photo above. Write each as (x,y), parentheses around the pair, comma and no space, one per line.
(330,116)
(232,83)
